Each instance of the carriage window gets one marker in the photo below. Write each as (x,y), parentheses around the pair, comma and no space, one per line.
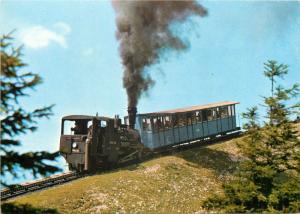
(209,114)
(160,123)
(199,116)
(175,120)
(181,120)
(103,124)
(144,123)
(229,111)
(149,128)
(224,112)
(167,122)
(189,118)
(204,115)
(194,118)
(67,127)
(214,113)
(219,112)
(78,127)
(90,124)
(155,127)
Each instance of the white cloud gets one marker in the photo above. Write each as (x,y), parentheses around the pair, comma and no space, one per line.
(36,37)
(88,51)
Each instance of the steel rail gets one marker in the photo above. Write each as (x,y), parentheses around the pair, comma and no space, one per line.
(39,184)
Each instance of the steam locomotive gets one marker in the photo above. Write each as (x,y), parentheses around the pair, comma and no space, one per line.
(92,142)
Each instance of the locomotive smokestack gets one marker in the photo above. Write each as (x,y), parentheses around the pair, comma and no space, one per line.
(131,116)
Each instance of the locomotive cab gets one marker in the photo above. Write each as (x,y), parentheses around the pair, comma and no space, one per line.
(82,139)
(73,140)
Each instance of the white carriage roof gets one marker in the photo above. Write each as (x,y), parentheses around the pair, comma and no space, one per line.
(194,108)
(84,117)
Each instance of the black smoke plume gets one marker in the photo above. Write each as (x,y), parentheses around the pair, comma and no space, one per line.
(143,30)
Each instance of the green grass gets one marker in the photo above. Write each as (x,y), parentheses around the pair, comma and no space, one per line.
(177,183)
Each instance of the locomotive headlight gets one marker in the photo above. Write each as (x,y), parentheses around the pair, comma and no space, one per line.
(74,145)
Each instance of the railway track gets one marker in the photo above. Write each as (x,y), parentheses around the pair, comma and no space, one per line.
(54,180)
(39,184)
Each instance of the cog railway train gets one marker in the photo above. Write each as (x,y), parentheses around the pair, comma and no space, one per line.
(92,142)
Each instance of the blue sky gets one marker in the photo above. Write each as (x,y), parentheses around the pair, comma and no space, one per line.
(72,45)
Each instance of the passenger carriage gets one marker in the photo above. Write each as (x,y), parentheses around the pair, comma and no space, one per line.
(173,127)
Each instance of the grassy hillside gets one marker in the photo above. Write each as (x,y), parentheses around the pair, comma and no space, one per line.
(177,183)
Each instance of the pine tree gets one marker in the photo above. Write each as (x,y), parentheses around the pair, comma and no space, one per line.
(268,178)
(273,70)
(15,120)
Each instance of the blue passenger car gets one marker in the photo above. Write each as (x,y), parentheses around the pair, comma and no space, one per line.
(173,127)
